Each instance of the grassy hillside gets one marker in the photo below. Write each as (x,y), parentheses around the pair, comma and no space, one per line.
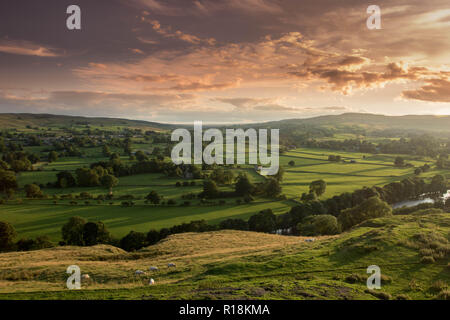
(22,120)
(242,265)
(415,123)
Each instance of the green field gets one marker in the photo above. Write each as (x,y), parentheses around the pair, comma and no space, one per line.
(32,217)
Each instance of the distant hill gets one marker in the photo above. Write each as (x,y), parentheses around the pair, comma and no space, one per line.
(22,120)
(366,121)
(371,122)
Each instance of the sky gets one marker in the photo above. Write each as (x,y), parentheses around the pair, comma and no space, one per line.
(224,61)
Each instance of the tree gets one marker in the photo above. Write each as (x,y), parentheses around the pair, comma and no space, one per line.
(222,176)
(65,179)
(318,187)
(399,162)
(243,186)
(272,187)
(233,224)
(21,165)
(438,184)
(292,163)
(141,156)
(87,177)
(7,235)
(106,151)
(311,196)
(95,233)
(153,197)
(210,189)
(3,165)
(279,175)
(371,208)
(72,231)
(8,182)
(33,191)
(52,156)
(133,241)
(319,225)
(153,237)
(109,181)
(265,221)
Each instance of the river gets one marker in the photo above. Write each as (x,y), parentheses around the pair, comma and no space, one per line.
(412,203)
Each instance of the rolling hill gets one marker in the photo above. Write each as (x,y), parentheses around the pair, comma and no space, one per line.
(247,265)
(415,123)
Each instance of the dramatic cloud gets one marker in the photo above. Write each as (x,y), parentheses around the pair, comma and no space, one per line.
(228,60)
(27,48)
(435,90)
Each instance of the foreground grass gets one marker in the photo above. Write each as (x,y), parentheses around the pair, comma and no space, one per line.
(243,265)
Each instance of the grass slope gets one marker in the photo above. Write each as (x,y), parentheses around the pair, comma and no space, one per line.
(243,265)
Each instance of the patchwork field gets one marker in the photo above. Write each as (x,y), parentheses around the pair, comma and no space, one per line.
(32,218)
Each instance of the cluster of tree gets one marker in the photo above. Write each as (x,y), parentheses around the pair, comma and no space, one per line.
(443,162)
(335,206)
(423,145)
(19,161)
(78,232)
(155,165)
(8,234)
(8,182)
(33,191)
(68,149)
(222,176)
(243,187)
(425,168)
(85,177)
(355,145)
(334,158)
(316,189)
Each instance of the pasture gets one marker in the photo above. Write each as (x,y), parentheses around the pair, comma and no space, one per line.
(32,217)
(219,265)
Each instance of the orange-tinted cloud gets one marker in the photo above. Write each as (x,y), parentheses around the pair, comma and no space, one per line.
(435,90)
(28,49)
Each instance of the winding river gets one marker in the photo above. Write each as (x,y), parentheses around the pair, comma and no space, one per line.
(412,203)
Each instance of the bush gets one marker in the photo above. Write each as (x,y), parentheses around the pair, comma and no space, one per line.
(265,221)
(427,260)
(371,208)
(153,237)
(41,242)
(171,202)
(379,294)
(355,278)
(33,191)
(248,199)
(7,235)
(95,233)
(233,224)
(133,241)
(443,295)
(319,225)
(72,231)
